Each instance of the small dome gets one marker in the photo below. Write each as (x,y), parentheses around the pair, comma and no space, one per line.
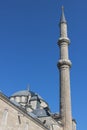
(40,112)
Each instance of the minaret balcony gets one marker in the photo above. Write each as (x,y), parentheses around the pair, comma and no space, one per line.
(63,40)
(64,62)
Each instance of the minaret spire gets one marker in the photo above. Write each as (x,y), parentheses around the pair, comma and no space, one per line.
(62,19)
(64,65)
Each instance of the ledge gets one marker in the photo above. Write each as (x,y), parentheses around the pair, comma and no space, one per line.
(63,40)
(63,62)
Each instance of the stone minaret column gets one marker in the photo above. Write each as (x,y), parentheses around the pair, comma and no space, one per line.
(64,65)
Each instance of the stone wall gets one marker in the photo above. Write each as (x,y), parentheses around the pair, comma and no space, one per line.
(13,118)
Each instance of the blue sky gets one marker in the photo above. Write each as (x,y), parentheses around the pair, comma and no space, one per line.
(29,53)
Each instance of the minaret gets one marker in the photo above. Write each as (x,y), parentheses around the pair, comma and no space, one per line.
(64,65)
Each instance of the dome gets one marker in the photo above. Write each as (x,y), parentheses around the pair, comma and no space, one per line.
(40,112)
(23,93)
(30,101)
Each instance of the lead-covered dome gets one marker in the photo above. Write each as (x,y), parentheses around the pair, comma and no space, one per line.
(23,93)
(30,101)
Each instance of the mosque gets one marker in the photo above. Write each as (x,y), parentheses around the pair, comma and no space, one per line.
(26,110)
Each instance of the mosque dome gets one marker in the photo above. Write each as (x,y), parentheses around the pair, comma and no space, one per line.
(30,101)
(23,93)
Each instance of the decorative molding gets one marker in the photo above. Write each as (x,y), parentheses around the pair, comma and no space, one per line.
(63,62)
(63,40)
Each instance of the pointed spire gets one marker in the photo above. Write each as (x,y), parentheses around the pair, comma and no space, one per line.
(62,19)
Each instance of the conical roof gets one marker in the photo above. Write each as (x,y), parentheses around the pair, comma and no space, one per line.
(62,19)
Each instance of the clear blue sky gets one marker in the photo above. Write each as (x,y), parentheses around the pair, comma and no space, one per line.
(29,53)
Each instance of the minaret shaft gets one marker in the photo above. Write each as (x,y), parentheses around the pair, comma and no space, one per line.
(64,51)
(64,65)
(63,30)
(65,99)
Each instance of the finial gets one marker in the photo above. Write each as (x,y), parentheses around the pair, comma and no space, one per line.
(62,19)
(62,8)
(28,87)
